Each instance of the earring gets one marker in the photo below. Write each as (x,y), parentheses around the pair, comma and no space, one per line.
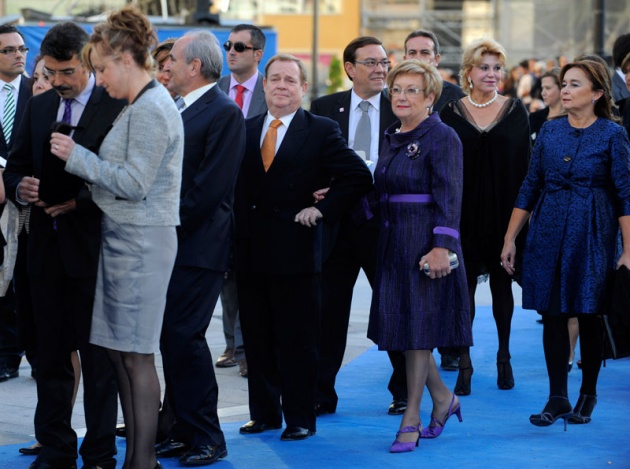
(470,83)
(593,101)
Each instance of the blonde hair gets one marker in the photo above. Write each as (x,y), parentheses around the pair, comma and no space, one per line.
(126,30)
(473,55)
(432,81)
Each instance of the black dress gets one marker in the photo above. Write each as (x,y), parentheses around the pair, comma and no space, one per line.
(495,163)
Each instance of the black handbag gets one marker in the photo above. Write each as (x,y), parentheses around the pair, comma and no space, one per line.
(616,319)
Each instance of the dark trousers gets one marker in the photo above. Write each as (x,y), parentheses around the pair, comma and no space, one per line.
(355,248)
(231,320)
(63,315)
(10,353)
(280,320)
(23,302)
(191,385)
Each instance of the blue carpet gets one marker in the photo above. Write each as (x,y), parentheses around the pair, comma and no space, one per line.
(495,433)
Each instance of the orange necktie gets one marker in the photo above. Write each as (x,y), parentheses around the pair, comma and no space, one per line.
(268,149)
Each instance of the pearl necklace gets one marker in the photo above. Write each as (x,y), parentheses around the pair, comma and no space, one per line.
(496,95)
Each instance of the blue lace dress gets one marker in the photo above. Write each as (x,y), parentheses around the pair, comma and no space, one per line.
(577,186)
(418,181)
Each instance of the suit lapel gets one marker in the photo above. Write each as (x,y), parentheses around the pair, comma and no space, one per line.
(198,106)
(386,117)
(258,104)
(343,113)
(90,111)
(292,142)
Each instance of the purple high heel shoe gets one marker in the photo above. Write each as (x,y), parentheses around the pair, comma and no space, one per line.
(404,447)
(436,427)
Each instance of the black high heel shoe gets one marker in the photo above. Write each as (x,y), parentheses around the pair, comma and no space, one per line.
(505,378)
(583,409)
(462,386)
(557,407)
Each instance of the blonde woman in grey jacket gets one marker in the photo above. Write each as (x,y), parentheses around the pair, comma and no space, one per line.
(136,181)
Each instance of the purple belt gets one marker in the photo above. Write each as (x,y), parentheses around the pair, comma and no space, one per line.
(412,198)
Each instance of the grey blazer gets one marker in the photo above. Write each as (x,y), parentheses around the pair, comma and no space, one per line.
(258,104)
(137,174)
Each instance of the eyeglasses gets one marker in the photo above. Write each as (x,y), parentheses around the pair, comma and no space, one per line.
(13,50)
(396,91)
(238,46)
(65,72)
(371,63)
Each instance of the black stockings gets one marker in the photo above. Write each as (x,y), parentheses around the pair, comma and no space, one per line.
(139,390)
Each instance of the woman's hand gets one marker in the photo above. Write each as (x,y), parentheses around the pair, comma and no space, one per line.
(508,254)
(61,145)
(624,259)
(439,265)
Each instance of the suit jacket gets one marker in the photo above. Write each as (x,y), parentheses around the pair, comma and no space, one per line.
(336,106)
(619,88)
(77,233)
(24,93)
(258,105)
(313,152)
(450,92)
(214,145)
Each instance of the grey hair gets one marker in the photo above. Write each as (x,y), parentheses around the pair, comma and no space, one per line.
(204,45)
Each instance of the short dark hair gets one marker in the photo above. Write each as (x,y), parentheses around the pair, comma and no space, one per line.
(9,28)
(620,49)
(429,35)
(63,41)
(350,52)
(258,37)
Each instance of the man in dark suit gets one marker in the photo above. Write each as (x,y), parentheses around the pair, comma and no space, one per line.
(14,93)
(63,250)
(214,144)
(423,45)
(245,86)
(290,153)
(354,241)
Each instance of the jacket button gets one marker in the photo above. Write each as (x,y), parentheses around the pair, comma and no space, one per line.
(276,209)
(253,207)
(567,159)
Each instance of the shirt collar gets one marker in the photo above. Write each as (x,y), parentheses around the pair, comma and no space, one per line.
(249,84)
(355,100)
(194,95)
(15,82)
(84,96)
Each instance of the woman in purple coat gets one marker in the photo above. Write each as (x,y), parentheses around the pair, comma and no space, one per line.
(418,182)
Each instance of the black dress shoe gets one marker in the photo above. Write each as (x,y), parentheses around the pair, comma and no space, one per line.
(323,409)
(7,373)
(44,465)
(169,448)
(296,433)
(397,407)
(202,455)
(449,362)
(31,450)
(256,426)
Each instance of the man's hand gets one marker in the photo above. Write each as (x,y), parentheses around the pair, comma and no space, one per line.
(28,189)
(320,194)
(60,209)
(308,216)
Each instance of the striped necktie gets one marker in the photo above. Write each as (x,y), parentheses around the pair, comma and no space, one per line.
(8,114)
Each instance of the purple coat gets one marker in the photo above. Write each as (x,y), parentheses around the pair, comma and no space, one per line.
(409,310)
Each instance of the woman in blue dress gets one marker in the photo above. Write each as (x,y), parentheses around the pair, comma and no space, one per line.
(577,195)
(418,182)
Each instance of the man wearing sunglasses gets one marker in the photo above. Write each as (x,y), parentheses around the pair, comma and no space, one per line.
(244,50)
(62,258)
(14,92)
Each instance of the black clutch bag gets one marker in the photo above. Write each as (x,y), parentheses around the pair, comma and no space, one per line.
(616,319)
(55,184)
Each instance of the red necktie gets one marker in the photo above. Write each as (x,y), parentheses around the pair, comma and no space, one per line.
(239,95)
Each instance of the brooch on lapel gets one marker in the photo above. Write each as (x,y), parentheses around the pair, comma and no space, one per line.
(413,150)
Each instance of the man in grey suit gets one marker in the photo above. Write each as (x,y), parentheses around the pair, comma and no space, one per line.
(244,50)
(214,145)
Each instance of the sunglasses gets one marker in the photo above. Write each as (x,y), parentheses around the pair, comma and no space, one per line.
(238,46)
